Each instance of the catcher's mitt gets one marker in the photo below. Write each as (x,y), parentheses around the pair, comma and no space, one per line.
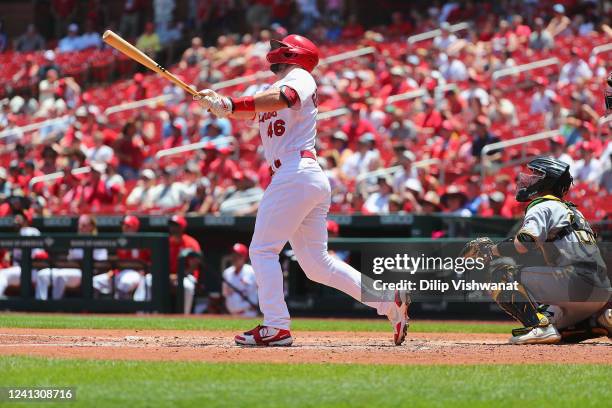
(478,248)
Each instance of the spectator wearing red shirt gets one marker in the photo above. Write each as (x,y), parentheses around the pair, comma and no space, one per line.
(398,83)
(430,120)
(95,192)
(137,89)
(353,30)
(522,31)
(130,152)
(356,126)
(223,167)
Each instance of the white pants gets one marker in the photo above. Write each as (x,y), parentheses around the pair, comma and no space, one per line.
(143,291)
(294,208)
(126,282)
(59,278)
(11,276)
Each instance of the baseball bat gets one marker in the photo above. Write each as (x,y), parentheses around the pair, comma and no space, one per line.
(118,43)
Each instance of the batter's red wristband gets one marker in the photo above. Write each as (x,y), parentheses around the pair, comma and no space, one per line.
(243,104)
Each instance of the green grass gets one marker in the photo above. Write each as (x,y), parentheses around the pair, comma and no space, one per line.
(182,384)
(204,323)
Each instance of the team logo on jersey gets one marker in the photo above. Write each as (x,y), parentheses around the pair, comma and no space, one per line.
(267,116)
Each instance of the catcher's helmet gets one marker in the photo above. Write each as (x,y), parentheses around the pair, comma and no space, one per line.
(294,50)
(547,174)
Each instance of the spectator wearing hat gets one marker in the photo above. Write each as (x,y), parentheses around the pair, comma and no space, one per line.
(429,121)
(494,206)
(48,64)
(72,42)
(366,158)
(130,152)
(378,201)
(454,201)
(137,89)
(475,199)
(149,42)
(339,148)
(48,87)
(122,282)
(239,286)
(142,194)
(214,127)
(179,244)
(559,24)
(399,83)
(540,39)
(429,203)
(29,41)
(574,70)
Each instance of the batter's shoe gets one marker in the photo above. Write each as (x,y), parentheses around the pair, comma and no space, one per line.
(605,320)
(398,316)
(538,335)
(264,336)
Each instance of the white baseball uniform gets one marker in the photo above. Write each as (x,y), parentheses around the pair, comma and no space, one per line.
(295,205)
(245,282)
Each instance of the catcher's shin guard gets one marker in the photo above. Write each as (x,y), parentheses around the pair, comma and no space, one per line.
(516,303)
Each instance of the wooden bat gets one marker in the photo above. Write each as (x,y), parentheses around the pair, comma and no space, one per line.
(118,43)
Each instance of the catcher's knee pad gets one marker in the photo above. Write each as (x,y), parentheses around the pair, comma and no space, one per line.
(517,303)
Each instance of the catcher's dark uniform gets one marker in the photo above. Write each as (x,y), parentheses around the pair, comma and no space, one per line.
(562,278)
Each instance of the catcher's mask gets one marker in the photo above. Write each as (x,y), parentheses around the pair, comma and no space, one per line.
(543,174)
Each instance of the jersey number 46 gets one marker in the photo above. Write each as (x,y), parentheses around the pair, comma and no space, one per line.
(276,128)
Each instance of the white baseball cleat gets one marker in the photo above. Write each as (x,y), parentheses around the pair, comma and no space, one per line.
(605,320)
(538,335)
(264,336)
(398,316)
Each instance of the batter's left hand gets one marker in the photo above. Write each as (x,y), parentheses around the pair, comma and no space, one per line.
(219,105)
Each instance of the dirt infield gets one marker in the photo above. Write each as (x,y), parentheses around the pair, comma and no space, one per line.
(309,347)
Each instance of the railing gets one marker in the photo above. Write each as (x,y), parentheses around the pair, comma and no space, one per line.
(486,164)
(434,33)
(138,104)
(601,48)
(419,93)
(219,141)
(33,126)
(523,68)
(58,175)
(392,170)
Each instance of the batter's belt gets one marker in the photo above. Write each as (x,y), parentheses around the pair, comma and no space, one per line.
(304,154)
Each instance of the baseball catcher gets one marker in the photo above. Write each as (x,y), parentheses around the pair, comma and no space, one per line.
(563,287)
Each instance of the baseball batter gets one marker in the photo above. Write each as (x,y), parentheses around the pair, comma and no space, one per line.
(295,205)
(564,288)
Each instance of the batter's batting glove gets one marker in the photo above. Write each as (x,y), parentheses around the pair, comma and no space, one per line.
(219,105)
(479,248)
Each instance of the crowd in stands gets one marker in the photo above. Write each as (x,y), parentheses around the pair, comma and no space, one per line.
(431,144)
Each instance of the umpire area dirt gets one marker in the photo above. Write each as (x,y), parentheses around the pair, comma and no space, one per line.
(309,347)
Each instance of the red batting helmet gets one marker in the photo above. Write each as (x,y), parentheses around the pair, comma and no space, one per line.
(240,249)
(294,50)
